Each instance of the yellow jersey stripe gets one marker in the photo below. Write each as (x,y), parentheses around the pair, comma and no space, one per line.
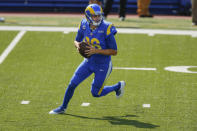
(79,26)
(101,88)
(109,29)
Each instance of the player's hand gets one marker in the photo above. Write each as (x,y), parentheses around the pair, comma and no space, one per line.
(77,45)
(91,51)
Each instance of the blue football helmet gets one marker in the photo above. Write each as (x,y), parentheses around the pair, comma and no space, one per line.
(94,10)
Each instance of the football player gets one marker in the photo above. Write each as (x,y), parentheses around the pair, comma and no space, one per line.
(100,35)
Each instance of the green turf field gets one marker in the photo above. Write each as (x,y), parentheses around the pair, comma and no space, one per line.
(42,63)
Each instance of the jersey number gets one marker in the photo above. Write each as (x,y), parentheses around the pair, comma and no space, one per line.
(94,42)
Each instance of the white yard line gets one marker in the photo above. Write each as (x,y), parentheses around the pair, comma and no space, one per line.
(11,46)
(134,68)
(120,30)
(40,28)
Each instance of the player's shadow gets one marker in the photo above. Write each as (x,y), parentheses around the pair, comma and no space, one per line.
(120,120)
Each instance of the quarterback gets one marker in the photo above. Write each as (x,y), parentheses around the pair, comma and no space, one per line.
(99,34)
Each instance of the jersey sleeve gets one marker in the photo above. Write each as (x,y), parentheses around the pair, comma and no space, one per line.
(111,42)
(111,30)
(80,33)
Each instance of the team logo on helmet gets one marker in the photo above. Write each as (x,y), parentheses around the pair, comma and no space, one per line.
(94,10)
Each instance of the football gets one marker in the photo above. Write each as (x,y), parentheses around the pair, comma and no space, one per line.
(83,47)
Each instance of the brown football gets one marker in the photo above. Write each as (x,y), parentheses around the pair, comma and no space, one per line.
(83,47)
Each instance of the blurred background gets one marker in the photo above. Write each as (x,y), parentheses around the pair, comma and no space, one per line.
(161,7)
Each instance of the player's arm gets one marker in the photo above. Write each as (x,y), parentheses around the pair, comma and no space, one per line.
(106,52)
(79,37)
(93,50)
(112,50)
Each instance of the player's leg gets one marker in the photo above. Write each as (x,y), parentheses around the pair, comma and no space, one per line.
(101,74)
(122,9)
(194,12)
(143,8)
(107,7)
(146,7)
(80,74)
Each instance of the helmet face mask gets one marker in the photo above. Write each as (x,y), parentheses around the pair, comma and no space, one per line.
(94,14)
(96,19)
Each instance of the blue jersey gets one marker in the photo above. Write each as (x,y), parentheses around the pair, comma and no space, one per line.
(101,38)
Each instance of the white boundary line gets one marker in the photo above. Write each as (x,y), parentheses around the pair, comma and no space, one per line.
(158,31)
(11,46)
(120,30)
